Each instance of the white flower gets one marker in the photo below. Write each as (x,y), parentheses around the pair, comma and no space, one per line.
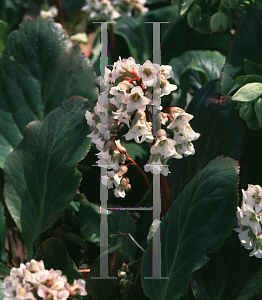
(248,217)
(165,86)
(163,145)
(32,279)
(244,235)
(122,116)
(152,230)
(137,100)
(140,127)
(180,120)
(148,72)
(166,71)
(78,287)
(253,197)
(51,13)
(156,167)
(90,118)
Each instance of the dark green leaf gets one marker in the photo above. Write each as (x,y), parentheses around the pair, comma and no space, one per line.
(105,289)
(245,79)
(40,174)
(4,270)
(39,69)
(258,110)
(135,150)
(248,92)
(230,274)
(241,48)
(194,68)
(55,256)
(222,133)
(252,68)
(3,34)
(117,221)
(212,193)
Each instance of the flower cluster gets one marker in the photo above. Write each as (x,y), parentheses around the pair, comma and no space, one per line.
(32,282)
(109,10)
(132,92)
(250,219)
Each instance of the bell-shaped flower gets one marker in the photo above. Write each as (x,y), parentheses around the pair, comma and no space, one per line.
(148,72)
(155,165)
(248,217)
(165,86)
(140,128)
(136,100)
(163,145)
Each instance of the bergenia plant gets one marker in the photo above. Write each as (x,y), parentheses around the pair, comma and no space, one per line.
(132,92)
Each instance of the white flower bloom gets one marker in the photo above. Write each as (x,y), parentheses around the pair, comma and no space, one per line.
(244,236)
(148,72)
(103,130)
(248,217)
(163,145)
(165,86)
(156,167)
(252,197)
(119,192)
(140,127)
(180,119)
(32,279)
(166,71)
(137,100)
(162,118)
(52,12)
(91,118)
(122,116)
(152,230)
(185,149)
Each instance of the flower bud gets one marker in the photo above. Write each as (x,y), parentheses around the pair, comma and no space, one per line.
(128,187)
(122,170)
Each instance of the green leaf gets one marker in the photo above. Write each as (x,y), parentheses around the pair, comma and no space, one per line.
(90,220)
(192,228)
(40,174)
(193,69)
(4,270)
(248,92)
(222,133)
(140,33)
(245,79)
(55,256)
(3,33)
(241,48)
(252,68)
(2,221)
(258,110)
(135,150)
(230,274)
(39,69)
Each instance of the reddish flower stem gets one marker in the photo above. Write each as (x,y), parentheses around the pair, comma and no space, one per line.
(60,13)
(165,195)
(142,173)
